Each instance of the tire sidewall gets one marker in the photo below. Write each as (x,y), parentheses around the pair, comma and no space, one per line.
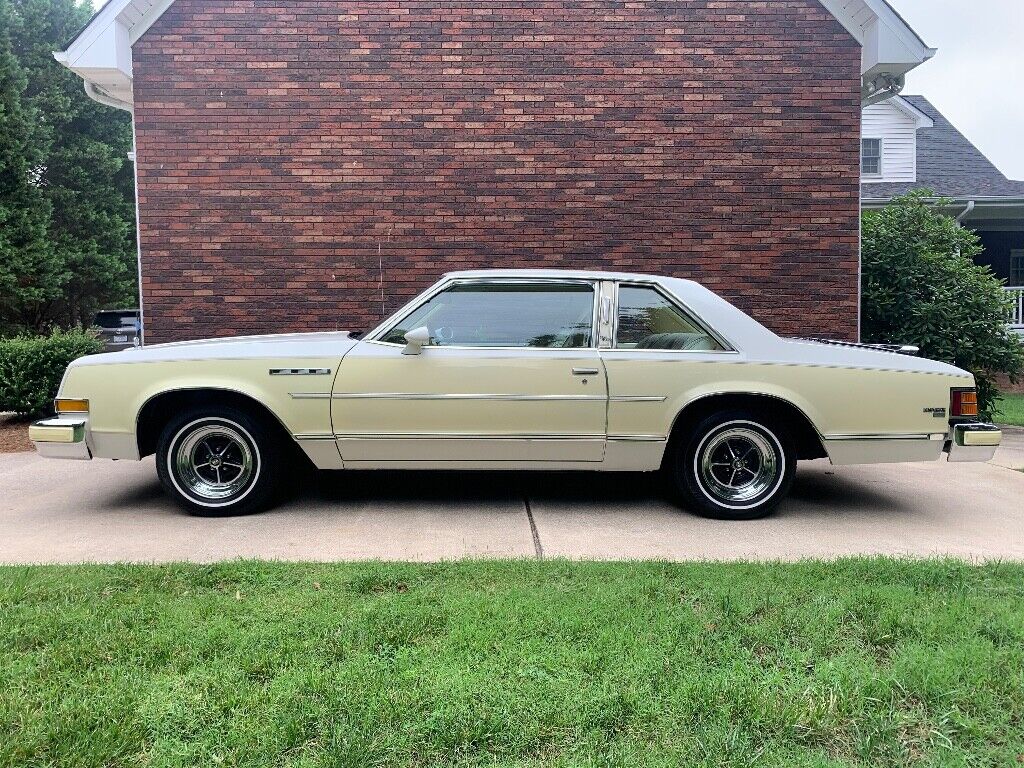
(257,493)
(687,473)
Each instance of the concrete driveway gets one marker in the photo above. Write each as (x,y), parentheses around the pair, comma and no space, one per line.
(54,511)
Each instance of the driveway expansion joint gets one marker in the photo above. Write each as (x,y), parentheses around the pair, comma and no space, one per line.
(538,548)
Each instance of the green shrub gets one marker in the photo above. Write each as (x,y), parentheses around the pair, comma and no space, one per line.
(920,286)
(31,368)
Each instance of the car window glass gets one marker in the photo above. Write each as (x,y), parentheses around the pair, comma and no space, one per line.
(505,315)
(648,320)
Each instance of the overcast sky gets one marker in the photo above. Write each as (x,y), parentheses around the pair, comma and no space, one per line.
(977,78)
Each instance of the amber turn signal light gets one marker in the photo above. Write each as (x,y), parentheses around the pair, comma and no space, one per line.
(68,405)
(963,402)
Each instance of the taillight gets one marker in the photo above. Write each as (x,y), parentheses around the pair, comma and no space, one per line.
(963,402)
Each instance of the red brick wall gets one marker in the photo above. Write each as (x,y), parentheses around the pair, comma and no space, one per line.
(284,147)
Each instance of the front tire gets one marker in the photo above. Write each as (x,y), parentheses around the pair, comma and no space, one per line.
(734,466)
(219,461)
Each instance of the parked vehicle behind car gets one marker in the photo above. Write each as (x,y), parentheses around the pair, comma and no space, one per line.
(520,369)
(118,328)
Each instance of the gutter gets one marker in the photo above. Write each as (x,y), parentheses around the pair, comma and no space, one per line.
(97,94)
(982,201)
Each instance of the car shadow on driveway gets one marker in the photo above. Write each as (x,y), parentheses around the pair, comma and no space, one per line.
(817,491)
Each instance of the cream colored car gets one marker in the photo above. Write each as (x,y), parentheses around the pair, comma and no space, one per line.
(514,369)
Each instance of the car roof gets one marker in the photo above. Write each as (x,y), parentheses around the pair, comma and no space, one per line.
(581,274)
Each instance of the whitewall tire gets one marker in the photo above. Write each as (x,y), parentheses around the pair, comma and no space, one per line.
(219,461)
(734,466)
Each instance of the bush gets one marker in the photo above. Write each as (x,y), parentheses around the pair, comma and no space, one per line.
(920,286)
(31,368)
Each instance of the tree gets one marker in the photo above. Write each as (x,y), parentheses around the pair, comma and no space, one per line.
(921,286)
(81,177)
(29,275)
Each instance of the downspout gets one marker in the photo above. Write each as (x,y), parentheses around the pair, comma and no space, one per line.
(96,93)
(965,211)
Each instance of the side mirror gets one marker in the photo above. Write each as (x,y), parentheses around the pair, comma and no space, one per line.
(415,340)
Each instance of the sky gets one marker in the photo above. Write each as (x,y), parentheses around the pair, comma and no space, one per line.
(977,77)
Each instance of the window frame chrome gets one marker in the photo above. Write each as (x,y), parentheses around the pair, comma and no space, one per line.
(727,347)
(376,335)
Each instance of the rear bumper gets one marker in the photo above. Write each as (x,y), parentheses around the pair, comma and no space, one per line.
(62,437)
(973,442)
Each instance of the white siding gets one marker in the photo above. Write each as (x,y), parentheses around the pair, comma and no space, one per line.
(898,132)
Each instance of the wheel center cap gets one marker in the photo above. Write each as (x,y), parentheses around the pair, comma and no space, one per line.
(215,462)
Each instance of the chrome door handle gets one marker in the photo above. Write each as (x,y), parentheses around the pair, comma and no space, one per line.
(585,371)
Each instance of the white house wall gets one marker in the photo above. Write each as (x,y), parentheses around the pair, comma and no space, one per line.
(898,132)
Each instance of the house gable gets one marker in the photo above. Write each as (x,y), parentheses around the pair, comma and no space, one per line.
(894,123)
(101,52)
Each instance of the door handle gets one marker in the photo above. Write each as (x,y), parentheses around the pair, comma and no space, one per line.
(585,371)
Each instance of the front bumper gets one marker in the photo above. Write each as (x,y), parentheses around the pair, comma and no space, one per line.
(973,442)
(62,437)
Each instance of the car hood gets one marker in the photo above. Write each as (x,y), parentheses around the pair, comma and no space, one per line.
(275,346)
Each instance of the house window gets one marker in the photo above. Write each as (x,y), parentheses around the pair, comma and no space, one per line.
(871,157)
(1017,268)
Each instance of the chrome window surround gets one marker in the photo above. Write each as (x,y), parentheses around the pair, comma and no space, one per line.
(375,336)
(605,322)
(726,346)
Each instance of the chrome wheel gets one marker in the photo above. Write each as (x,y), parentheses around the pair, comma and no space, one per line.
(738,465)
(213,462)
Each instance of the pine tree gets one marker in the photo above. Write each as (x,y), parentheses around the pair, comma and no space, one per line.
(30,275)
(79,172)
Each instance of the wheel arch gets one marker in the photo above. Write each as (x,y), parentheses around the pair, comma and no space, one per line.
(809,443)
(157,410)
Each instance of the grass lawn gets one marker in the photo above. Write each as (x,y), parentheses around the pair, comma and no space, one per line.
(1011,410)
(862,662)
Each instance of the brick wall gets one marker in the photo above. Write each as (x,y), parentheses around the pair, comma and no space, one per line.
(286,149)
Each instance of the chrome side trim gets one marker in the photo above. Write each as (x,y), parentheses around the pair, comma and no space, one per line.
(638,438)
(300,371)
(469,396)
(465,436)
(314,436)
(880,436)
(447,396)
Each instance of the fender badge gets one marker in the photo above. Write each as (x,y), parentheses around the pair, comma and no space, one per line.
(299,371)
(938,413)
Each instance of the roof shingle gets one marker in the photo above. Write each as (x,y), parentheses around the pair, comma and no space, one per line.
(949,164)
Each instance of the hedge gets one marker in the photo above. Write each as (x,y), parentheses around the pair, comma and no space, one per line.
(31,368)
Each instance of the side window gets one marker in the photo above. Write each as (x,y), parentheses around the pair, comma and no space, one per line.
(871,157)
(505,315)
(647,320)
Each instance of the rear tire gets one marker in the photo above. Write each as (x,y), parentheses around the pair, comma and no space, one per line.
(217,460)
(734,465)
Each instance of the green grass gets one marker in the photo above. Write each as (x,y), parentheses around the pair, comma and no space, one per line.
(1010,410)
(871,662)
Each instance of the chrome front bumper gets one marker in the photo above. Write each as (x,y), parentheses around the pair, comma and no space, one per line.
(973,442)
(62,437)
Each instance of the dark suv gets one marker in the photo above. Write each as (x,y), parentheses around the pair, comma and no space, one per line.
(118,328)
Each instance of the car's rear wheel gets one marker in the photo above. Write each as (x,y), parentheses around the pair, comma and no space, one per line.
(219,461)
(733,465)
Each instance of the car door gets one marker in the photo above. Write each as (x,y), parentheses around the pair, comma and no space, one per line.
(510,373)
(658,350)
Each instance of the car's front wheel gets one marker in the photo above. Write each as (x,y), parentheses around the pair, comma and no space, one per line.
(734,466)
(219,461)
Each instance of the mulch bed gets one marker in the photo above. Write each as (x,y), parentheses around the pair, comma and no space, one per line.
(14,434)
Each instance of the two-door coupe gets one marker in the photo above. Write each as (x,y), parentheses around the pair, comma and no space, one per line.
(519,369)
